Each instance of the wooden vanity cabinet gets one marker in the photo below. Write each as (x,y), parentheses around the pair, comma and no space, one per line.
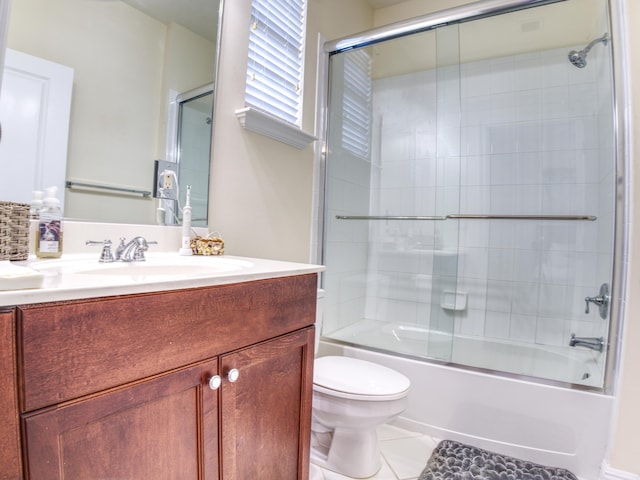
(89,416)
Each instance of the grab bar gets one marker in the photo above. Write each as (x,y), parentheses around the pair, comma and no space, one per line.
(133,191)
(460,216)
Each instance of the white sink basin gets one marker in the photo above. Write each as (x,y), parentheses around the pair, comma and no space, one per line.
(155,267)
(142,269)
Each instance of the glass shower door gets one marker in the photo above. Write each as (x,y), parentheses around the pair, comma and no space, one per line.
(194,152)
(537,140)
(470,194)
(392,172)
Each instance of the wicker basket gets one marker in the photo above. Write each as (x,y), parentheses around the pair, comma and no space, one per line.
(211,245)
(14,231)
(19,231)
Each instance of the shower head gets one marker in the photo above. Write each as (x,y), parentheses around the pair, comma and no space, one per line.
(579,59)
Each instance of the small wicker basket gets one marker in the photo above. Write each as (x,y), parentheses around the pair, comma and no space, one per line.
(211,245)
(19,231)
(14,231)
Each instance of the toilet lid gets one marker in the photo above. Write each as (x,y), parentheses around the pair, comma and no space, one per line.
(358,377)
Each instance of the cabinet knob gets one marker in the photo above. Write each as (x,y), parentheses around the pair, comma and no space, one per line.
(233,375)
(215,382)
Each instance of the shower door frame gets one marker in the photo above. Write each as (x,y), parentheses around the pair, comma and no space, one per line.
(474,11)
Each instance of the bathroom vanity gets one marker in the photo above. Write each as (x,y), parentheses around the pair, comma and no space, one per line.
(203,381)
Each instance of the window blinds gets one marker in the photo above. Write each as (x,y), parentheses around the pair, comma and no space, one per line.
(274,73)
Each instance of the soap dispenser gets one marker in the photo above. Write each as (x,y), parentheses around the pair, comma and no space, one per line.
(49,232)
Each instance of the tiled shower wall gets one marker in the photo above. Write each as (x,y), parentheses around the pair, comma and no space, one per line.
(532,145)
(528,134)
(535,139)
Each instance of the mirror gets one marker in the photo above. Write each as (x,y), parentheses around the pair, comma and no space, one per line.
(130,61)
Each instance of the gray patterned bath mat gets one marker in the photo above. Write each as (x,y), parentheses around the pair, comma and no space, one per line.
(455,461)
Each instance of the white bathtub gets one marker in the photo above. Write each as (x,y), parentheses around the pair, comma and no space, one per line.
(565,364)
(546,424)
(575,365)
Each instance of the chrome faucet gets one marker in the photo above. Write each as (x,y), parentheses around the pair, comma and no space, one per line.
(126,252)
(588,342)
(133,251)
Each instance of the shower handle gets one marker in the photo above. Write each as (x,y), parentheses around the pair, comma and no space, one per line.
(602,301)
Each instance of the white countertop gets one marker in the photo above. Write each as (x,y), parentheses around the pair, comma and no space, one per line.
(80,276)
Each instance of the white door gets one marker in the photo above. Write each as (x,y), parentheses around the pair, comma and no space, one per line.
(4,22)
(35,104)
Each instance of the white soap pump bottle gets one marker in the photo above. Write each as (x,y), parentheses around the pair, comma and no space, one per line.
(185,248)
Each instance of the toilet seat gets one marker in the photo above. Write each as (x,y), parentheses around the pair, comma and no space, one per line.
(351,378)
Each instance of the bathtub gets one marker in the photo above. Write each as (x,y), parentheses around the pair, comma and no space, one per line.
(577,365)
(547,424)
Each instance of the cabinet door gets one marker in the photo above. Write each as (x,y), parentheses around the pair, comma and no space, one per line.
(266,412)
(161,428)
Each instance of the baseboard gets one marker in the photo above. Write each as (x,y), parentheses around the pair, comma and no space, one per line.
(610,473)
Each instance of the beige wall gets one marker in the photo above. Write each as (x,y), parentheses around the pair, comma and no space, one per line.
(529,30)
(189,62)
(261,189)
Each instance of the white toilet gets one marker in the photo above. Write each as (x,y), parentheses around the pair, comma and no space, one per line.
(351,398)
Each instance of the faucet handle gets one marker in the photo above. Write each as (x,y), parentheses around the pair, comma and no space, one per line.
(106,256)
(586,302)
(601,301)
(120,249)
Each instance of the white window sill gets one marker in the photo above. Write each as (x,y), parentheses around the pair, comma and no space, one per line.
(269,126)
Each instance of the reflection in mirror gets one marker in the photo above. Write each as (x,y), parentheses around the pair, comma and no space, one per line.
(129,60)
(191,150)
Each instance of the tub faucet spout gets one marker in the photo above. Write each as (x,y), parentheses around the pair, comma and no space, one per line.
(588,342)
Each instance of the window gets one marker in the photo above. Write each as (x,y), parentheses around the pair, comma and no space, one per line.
(273,95)
(274,73)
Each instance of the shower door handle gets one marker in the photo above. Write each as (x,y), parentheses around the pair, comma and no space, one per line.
(602,301)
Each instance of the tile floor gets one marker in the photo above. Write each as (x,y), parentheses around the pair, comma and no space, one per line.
(404,455)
